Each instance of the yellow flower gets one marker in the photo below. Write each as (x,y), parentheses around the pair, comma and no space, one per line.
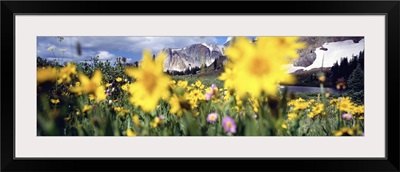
(119,79)
(55,101)
(227,96)
(156,122)
(358,110)
(284,125)
(316,110)
(292,116)
(130,132)
(118,109)
(311,115)
(239,109)
(188,88)
(321,77)
(299,104)
(182,84)
(199,84)
(327,95)
(125,87)
(67,118)
(46,74)
(65,73)
(108,85)
(333,101)
(91,97)
(151,84)
(179,104)
(345,104)
(255,104)
(228,77)
(258,68)
(195,96)
(135,120)
(86,108)
(121,111)
(91,86)
(172,84)
(100,93)
(347,131)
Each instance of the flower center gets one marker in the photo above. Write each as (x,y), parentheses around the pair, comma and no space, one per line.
(149,81)
(282,42)
(259,66)
(212,117)
(229,124)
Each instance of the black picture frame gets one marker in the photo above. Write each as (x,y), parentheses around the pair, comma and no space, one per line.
(391,9)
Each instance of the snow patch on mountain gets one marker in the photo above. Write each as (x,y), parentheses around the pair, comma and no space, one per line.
(209,47)
(335,51)
(228,39)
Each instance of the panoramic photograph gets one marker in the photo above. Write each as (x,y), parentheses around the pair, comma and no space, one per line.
(200,86)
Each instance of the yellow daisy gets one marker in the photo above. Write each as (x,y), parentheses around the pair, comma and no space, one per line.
(151,84)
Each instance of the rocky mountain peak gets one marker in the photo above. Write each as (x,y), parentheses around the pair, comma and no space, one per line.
(181,59)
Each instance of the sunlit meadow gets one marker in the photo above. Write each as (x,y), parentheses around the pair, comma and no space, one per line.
(246,98)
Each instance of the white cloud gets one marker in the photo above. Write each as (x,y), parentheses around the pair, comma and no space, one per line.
(105,55)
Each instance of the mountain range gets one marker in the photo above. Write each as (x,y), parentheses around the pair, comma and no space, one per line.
(193,56)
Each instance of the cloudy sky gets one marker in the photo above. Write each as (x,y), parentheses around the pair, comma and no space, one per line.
(110,47)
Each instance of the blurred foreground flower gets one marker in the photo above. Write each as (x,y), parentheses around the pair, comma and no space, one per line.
(91,86)
(86,108)
(321,77)
(229,124)
(130,132)
(66,72)
(259,68)
(46,74)
(346,131)
(55,101)
(151,84)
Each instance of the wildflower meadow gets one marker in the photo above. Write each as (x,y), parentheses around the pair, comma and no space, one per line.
(247,97)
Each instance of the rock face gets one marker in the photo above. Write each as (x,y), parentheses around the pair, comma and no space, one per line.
(181,59)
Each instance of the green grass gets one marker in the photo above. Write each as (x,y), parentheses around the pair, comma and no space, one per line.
(207,79)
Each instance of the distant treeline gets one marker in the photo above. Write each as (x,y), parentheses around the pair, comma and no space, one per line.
(192,71)
(344,68)
(340,71)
